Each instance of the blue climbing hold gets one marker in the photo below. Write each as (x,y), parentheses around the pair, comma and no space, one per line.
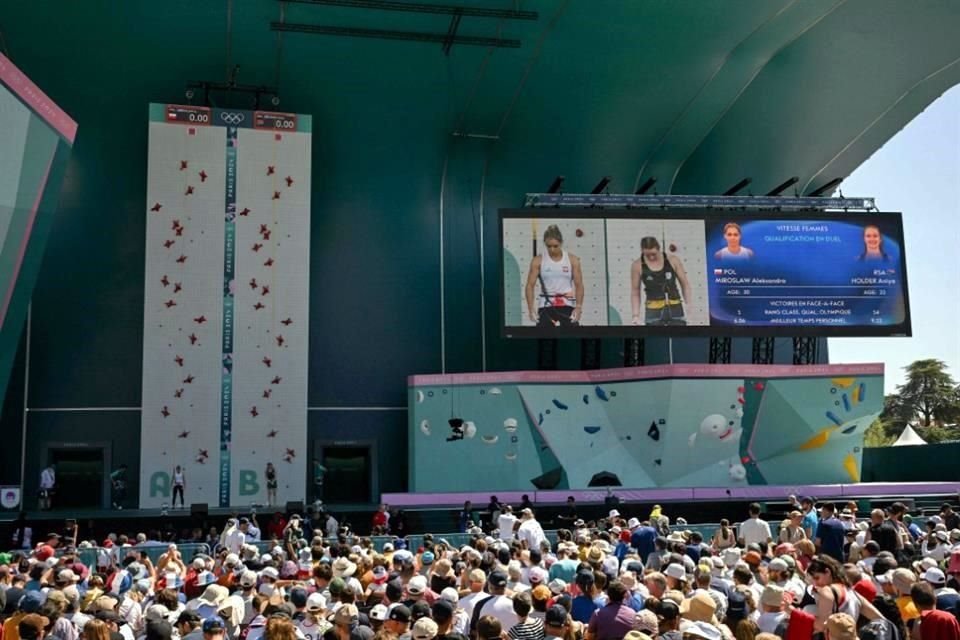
(591,430)
(560,405)
(602,394)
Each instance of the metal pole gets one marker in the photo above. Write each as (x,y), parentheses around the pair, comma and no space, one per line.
(26,389)
(483,278)
(229,39)
(443,306)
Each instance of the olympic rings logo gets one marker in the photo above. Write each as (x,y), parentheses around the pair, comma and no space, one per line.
(231,118)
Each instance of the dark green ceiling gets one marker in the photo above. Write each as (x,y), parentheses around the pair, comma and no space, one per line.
(698,93)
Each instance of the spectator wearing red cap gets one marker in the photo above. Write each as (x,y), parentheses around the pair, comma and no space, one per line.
(44,552)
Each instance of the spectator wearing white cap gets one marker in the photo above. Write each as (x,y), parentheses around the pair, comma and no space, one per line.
(676,577)
(314,624)
(643,538)
(416,590)
(936,546)
(947,599)
(248,592)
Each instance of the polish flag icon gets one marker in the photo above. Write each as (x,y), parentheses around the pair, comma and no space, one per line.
(718,272)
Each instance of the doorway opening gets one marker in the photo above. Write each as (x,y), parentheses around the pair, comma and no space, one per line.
(347,479)
(80,477)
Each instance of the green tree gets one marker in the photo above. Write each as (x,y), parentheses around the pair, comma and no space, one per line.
(930,395)
(896,411)
(880,434)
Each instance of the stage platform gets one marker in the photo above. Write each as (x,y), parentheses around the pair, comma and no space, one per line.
(753,493)
(178,516)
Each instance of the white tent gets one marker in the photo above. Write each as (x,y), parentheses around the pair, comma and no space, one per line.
(908,438)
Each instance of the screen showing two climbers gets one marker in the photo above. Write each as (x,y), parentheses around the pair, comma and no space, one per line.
(630,272)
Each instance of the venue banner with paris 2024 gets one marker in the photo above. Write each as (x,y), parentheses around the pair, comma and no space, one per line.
(702,273)
(226,305)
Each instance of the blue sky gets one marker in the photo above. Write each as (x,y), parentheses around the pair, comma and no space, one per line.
(918,172)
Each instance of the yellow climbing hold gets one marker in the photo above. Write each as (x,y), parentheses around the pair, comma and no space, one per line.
(850,464)
(818,440)
(843,383)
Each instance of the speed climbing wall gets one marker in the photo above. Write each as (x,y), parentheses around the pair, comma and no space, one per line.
(226,305)
(663,426)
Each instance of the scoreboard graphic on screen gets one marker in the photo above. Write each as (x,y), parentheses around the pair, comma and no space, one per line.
(629,272)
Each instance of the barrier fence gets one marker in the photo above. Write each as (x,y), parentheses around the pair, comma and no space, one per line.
(90,556)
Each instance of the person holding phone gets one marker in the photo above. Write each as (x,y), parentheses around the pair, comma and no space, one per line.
(169,561)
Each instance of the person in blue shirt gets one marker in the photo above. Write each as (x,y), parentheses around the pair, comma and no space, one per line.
(830,532)
(809,521)
(589,600)
(912,527)
(694,548)
(633,598)
(643,537)
(623,543)
(947,599)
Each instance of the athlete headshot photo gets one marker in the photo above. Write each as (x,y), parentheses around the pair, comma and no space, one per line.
(554,289)
(873,249)
(734,250)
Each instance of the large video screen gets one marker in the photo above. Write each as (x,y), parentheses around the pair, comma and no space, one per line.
(629,272)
